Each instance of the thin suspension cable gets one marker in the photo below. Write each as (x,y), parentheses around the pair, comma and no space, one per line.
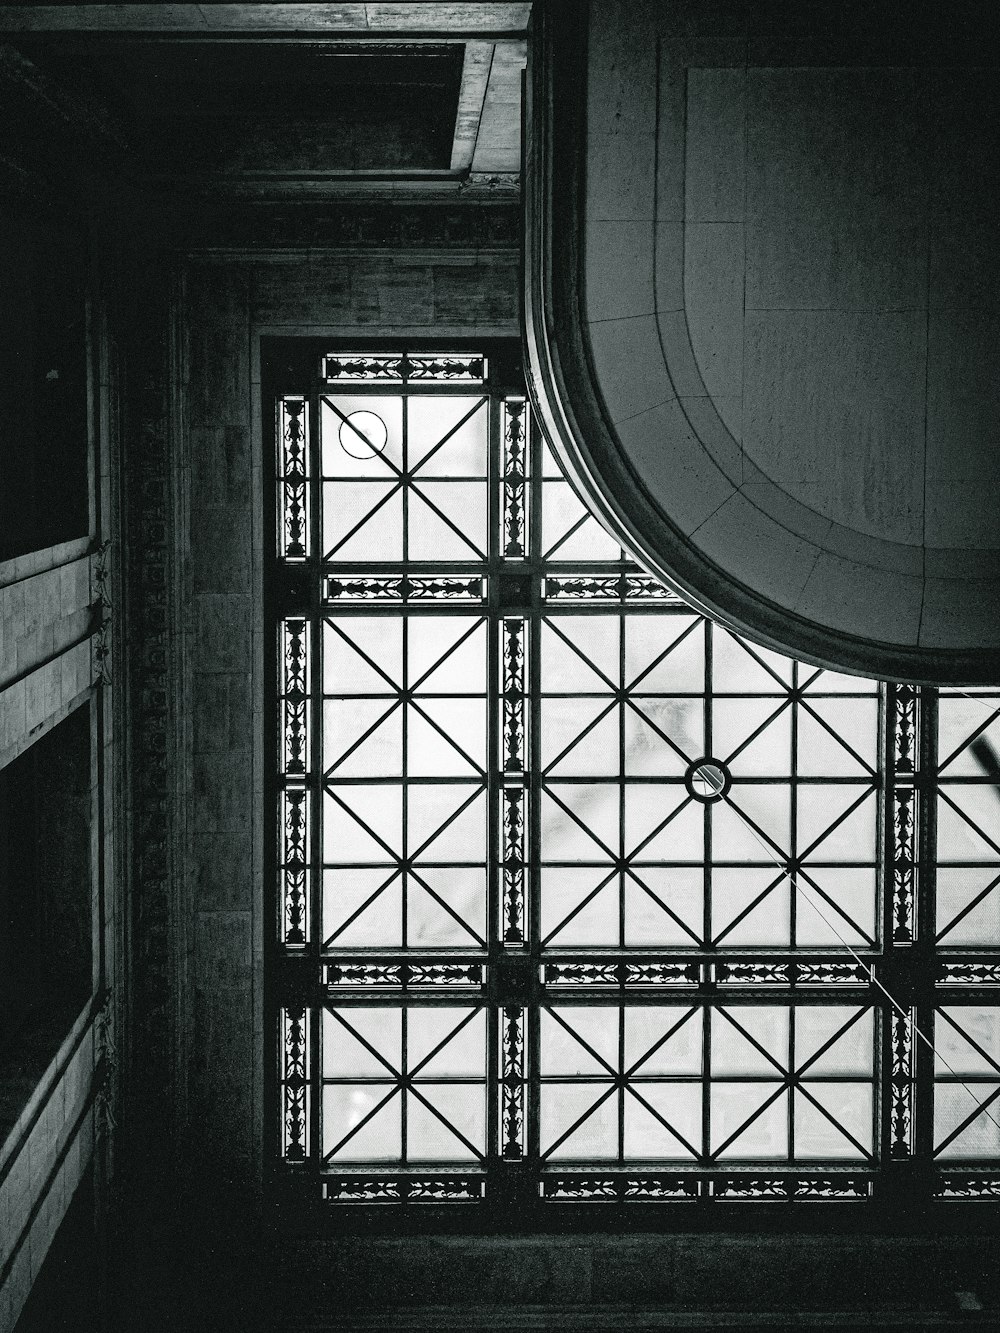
(868,967)
(982,699)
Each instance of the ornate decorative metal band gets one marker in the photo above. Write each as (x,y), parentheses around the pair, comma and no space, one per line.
(363,368)
(739,972)
(398,588)
(294,689)
(901,1085)
(699,973)
(611,588)
(513,794)
(742,973)
(402,976)
(400,367)
(512,1083)
(295,1086)
(968,973)
(630,1188)
(513,691)
(516,453)
(293,479)
(967,1187)
(905,733)
(622,974)
(598,1188)
(904,720)
(514,800)
(758,1189)
(295,872)
(403,1189)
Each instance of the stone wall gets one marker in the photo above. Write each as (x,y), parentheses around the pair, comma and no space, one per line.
(222,900)
(58,582)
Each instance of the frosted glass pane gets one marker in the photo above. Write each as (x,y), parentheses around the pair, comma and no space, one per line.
(362,655)
(968,906)
(362,1043)
(361,448)
(583,1039)
(842,1129)
(362,521)
(446,1043)
(580,737)
(757,1130)
(362,908)
(662,1122)
(664,654)
(447,521)
(444,824)
(581,653)
(448,437)
(848,1038)
(579,906)
(346,1112)
(363,738)
(753,736)
(594,1139)
(663,906)
(650,1051)
(445,737)
(456,1133)
(968,734)
(446,906)
(750,1039)
(363,823)
(446,655)
(580,821)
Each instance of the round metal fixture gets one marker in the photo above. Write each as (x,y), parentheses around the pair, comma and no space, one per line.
(708,780)
(363,435)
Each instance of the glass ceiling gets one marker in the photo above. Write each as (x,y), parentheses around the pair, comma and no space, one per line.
(580,896)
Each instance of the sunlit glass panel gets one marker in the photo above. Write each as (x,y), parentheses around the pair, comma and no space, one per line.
(580,896)
(694,1084)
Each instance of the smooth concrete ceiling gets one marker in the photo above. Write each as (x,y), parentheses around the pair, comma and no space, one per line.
(791,294)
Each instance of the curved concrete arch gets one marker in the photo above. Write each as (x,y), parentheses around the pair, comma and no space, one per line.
(747,326)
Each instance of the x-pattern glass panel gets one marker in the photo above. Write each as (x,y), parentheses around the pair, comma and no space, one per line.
(404,478)
(635,709)
(404,759)
(403,1085)
(679,1083)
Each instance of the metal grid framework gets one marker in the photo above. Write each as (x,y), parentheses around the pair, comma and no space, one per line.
(578,896)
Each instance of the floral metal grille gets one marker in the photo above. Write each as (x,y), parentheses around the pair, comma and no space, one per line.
(580,897)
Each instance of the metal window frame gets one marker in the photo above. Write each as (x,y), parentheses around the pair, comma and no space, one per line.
(511,1192)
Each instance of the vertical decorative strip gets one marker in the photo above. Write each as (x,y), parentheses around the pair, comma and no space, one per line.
(294,676)
(901,1085)
(295,1090)
(513,744)
(512,1084)
(294,869)
(293,478)
(513,831)
(904,720)
(513,762)
(514,425)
